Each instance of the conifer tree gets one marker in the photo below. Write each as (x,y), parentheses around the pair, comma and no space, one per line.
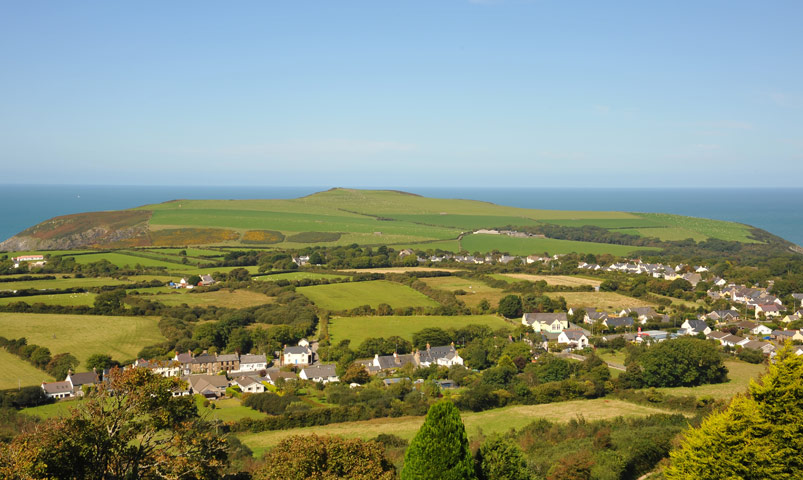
(440,449)
(758,436)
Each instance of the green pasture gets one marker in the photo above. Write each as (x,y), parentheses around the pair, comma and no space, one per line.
(61,283)
(191,251)
(17,372)
(610,223)
(739,376)
(445,245)
(61,408)
(357,329)
(710,228)
(219,298)
(67,299)
(528,246)
(83,335)
(344,296)
(668,234)
(299,276)
(478,425)
(466,222)
(122,260)
(226,410)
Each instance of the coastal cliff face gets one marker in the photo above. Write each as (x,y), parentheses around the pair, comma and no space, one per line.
(121,228)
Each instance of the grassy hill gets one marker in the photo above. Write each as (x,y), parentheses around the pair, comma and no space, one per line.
(345,216)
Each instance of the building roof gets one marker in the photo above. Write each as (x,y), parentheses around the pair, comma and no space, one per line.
(53,388)
(433,354)
(275,375)
(387,362)
(574,334)
(326,370)
(229,357)
(203,383)
(204,358)
(245,381)
(84,378)
(297,350)
(253,359)
(614,322)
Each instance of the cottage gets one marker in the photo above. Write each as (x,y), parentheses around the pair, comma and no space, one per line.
(390,362)
(764,347)
(320,373)
(693,327)
(445,356)
(204,363)
(253,363)
(208,386)
(573,338)
(733,341)
(274,376)
(78,380)
(206,280)
(249,385)
(642,314)
(593,316)
(768,309)
(57,390)
(165,368)
(546,322)
(723,316)
(228,362)
(300,355)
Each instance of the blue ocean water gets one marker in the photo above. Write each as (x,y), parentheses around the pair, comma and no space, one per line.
(779,211)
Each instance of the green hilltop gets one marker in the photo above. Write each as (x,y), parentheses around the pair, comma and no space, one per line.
(367,217)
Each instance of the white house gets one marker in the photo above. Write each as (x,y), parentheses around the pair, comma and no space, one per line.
(253,363)
(769,310)
(248,385)
(57,390)
(300,355)
(320,373)
(573,338)
(445,356)
(693,327)
(546,322)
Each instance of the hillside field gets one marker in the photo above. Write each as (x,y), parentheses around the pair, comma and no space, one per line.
(476,291)
(489,422)
(16,372)
(357,329)
(68,299)
(83,335)
(529,246)
(608,301)
(344,296)
(558,280)
(220,298)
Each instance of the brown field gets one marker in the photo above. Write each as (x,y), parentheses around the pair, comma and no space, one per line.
(476,291)
(191,236)
(609,301)
(262,237)
(559,280)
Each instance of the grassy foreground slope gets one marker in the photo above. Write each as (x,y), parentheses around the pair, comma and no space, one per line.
(344,216)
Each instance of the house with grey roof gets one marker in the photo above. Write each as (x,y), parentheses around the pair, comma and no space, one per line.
(618,322)
(298,355)
(573,338)
(57,390)
(253,363)
(209,386)
(248,385)
(229,362)
(323,373)
(78,380)
(390,362)
(445,356)
(273,376)
(546,322)
(693,327)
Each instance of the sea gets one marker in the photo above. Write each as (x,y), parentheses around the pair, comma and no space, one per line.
(777,210)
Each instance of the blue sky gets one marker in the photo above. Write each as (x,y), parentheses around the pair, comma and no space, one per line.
(413,93)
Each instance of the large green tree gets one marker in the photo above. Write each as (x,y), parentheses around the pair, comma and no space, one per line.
(440,449)
(682,362)
(510,306)
(501,459)
(758,436)
(134,428)
(310,457)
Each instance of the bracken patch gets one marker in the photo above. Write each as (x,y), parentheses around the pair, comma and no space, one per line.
(262,237)
(192,236)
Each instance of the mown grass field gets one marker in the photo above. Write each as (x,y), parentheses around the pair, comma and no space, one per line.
(220,298)
(476,291)
(484,243)
(558,280)
(83,335)
(487,423)
(67,299)
(736,232)
(226,410)
(739,374)
(121,260)
(59,283)
(17,372)
(299,276)
(608,301)
(344,296)
(357,329)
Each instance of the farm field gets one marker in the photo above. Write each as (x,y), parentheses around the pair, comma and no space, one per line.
(489,422)
(445,245)
(59,409)
(344,296)
(16,372)
(299,276)
(527,246)
(220,298)
(357,329)
(476,291)
(608,301)
(739,374)
(736,232)
(467,222)
(558,280)
(121,260)
(226,410)
(399,270)
(665,233)
(71,282)
(83,335)
(68,299)
(191,251)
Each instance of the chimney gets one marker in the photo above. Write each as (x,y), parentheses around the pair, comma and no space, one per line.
(427,346)
(395,355)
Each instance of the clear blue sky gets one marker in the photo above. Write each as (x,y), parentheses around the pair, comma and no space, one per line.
(402,93)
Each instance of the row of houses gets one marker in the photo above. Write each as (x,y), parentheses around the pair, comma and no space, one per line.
(205,281)
(183,364)
(655,270)
(445,356)
(477,260)
(72,386)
